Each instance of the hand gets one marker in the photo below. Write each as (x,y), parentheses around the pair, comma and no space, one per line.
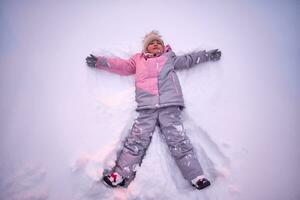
(91,60)
(214,54)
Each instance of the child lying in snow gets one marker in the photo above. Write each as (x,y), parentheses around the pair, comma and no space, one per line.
(160,101)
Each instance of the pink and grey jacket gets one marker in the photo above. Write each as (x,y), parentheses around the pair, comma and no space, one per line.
(156,81)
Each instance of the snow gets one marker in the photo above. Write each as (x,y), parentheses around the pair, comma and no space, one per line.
(62,123)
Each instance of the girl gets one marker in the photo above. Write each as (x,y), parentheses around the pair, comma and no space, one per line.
(159,103)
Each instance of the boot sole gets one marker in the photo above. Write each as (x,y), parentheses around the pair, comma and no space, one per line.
(203,186)
(107,182)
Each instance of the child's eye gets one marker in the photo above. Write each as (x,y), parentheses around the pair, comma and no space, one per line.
(157,42)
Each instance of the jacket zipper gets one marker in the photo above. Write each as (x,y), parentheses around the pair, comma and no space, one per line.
(174,83)
(157,86)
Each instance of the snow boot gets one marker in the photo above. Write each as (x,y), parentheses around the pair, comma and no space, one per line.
(200,182)
(114,179)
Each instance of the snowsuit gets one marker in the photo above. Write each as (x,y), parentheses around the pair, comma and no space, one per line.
(159,98)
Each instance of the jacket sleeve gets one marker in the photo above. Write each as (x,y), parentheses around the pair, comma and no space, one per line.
(188,60)
(116,65)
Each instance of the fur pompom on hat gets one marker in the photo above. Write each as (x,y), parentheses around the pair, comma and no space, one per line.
(149,37)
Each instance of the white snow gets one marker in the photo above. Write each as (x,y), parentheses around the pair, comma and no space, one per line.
(62,123)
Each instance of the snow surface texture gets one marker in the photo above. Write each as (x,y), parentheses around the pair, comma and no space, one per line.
(61,123)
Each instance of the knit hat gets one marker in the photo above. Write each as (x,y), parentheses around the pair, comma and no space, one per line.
(153,35)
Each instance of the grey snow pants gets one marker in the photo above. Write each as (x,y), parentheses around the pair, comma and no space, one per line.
(168,119)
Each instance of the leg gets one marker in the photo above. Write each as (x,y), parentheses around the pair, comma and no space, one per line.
(179,144)
(136,143)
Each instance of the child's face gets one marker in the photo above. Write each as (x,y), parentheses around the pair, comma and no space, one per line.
(155,46)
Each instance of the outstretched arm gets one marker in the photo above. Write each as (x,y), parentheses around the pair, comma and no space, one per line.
(115,65)
(188,60)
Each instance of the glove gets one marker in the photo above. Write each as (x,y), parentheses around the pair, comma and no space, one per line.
(91,60)
(214,54)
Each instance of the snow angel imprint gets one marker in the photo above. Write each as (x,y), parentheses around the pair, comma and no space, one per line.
(159,103)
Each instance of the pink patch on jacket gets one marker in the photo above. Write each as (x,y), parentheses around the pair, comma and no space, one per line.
(146,70)
(147,73)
